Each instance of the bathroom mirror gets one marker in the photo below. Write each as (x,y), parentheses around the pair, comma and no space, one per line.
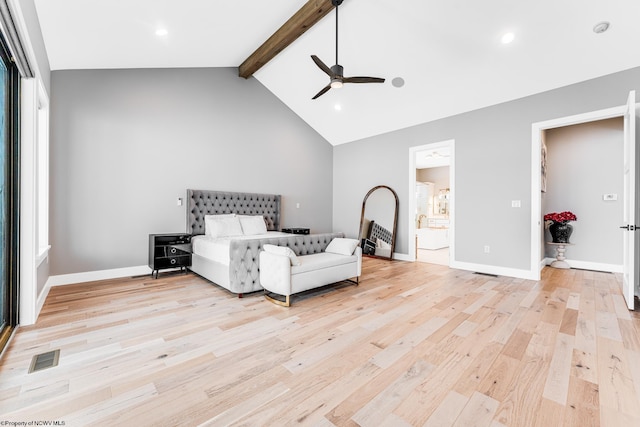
(378,222)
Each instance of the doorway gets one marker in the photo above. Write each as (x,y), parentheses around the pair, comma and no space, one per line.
(573,153)
(627,168)
(431,210)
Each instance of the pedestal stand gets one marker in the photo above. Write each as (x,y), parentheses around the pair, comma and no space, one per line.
(560,259)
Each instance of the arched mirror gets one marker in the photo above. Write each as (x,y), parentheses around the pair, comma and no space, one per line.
(378,222)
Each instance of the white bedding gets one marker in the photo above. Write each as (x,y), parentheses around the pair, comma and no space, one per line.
(217,249)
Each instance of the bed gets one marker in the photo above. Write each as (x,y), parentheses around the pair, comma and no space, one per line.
(232,261)
(380,239)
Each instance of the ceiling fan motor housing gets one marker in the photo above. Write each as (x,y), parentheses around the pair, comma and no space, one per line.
(337,70)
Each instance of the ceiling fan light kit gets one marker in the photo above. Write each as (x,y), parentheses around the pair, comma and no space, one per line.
(336,72)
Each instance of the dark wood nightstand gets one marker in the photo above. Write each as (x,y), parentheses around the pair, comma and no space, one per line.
(296,230)
(171,250)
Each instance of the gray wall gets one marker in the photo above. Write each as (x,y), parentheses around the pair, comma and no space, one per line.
(493,167)
(584,162)
(125,144)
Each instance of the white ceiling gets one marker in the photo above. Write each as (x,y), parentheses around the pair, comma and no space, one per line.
(433,158)
(448,52)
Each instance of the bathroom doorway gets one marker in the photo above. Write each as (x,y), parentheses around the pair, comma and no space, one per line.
(431,222)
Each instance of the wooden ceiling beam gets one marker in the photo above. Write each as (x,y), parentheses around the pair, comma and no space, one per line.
(305,18)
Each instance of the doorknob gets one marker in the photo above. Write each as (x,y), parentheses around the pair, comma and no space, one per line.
(630,227)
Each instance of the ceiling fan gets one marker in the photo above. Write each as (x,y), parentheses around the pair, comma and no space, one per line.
(336,72)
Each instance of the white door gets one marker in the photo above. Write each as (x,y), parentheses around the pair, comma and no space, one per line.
(629,226)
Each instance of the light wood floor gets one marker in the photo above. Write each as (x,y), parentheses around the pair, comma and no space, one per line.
(414,344)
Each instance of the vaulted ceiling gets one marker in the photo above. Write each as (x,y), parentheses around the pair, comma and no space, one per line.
(449,54)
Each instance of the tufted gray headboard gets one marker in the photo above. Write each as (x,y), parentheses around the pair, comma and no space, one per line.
(379,232)
(207,202)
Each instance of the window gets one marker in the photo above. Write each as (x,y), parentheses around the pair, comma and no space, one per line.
(42,176)
(9,191)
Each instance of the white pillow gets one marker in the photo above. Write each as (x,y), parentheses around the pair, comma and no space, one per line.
(382,244)
(208,218)
(252,225)
(342,246)
(284,251)
(226,226)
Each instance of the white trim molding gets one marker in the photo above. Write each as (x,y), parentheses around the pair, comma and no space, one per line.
(495,270)
(92,276)
(34,190)
(401,257)
(28,204)
(587,265)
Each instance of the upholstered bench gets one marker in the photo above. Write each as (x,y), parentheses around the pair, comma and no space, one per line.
(285,273)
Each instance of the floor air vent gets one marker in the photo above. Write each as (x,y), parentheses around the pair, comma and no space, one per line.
(486,274)
(44,361)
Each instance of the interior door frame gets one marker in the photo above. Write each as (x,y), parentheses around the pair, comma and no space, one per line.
(629,279)
(537,129)
(449,143)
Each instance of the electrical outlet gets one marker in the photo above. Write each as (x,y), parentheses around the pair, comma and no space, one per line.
(297,205)
(487,249)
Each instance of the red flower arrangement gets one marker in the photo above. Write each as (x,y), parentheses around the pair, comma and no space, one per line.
(562,217)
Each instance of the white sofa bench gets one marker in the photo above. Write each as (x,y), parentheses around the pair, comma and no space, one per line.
(284,273)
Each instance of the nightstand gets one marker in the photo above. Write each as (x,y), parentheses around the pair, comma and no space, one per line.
(296,230)
(171,250)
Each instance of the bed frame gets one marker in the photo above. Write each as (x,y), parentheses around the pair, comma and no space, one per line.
(207,202)
(242,275)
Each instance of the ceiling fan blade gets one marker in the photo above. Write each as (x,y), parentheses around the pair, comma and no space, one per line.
(322,66)
(323,91)
(363,80)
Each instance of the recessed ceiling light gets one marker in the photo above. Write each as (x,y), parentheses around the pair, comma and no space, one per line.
(160,32)
(507,38)
(337,107)
(601,27)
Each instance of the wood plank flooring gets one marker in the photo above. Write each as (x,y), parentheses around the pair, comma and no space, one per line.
(413,345)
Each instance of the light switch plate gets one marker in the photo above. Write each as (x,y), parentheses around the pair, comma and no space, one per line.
(609,197)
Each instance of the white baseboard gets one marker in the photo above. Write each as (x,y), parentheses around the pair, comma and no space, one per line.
(402,257)
(495,270)
(26,320)
(41,299)
(543,263)
(587,265)
(482,268)
(91,276)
